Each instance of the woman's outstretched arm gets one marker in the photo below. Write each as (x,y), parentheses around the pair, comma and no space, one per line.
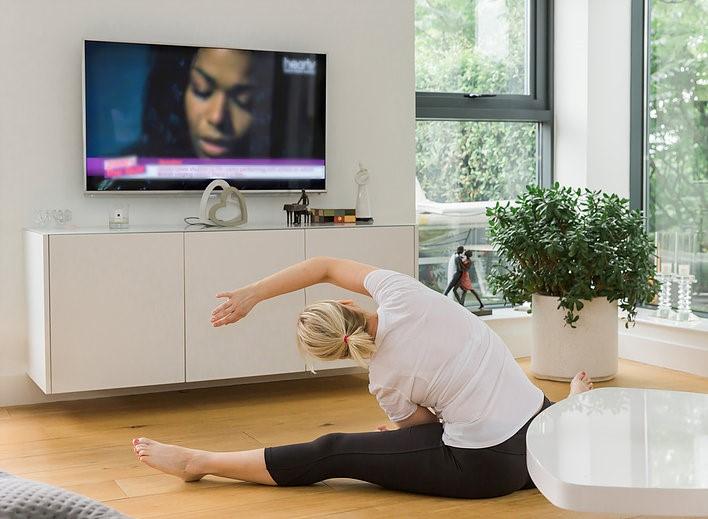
(344,273)
(422,415)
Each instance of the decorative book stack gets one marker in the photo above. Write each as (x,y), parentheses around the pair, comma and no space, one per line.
(333,215)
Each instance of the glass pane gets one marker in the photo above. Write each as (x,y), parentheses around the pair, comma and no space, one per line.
(677,141)
(437,240)
(461,161)
(472,46)
(460,165)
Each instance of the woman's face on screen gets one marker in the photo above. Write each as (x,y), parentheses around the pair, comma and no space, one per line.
(218,101)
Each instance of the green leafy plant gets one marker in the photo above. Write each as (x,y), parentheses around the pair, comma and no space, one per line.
(573,244)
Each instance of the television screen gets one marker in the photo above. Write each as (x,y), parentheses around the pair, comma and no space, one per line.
(173,118)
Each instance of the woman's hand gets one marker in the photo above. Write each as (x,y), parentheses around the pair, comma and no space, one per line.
(237,305)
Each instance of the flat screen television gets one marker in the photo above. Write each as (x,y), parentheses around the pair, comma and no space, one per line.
(166,118)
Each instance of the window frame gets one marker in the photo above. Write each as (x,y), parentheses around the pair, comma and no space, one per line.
(534,107)
(537,106)
(638,124)
(639,58)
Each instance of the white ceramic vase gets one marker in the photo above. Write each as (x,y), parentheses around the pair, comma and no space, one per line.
(559,351)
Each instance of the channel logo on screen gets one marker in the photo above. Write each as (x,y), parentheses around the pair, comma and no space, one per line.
(304,67)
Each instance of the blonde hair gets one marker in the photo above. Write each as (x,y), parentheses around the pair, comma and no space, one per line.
(322,328)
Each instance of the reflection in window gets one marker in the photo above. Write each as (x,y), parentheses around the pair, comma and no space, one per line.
(462,168)
(677,134)
(472,46)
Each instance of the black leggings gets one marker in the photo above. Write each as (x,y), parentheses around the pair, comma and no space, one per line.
(413,459)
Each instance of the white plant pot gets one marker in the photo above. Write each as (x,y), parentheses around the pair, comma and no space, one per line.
(559,351)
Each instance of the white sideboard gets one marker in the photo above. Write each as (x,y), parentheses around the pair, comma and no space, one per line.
(114,309)
(263,342)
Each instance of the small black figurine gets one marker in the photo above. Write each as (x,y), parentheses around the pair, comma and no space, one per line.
(304,199)
(298,212)
(461,278)
(458,271)
(465,282)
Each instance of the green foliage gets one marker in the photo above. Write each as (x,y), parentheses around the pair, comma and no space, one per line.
(677,144)
(472,161)
(572,244)
(450,56)
(678,119)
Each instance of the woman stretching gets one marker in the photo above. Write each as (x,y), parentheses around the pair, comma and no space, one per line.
(461,403)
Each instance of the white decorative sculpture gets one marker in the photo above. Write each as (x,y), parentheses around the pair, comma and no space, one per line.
(229,196)
(363,207)
(665,277)
(684,280)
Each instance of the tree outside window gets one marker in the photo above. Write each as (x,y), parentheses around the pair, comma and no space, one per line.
(677,136)
(481,147)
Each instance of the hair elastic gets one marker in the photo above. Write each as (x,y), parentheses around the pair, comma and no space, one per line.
(346,340)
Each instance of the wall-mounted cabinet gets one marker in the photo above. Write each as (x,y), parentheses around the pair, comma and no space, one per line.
(264,342)
(132,308)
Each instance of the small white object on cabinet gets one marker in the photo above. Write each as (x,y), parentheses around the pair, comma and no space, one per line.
(230,196)
(363,206)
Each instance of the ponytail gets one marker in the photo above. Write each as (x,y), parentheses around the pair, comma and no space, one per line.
(360,346)
(329,330)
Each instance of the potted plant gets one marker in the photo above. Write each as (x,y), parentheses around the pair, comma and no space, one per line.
(575,254)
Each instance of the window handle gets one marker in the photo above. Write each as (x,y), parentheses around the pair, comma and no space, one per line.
(477,96)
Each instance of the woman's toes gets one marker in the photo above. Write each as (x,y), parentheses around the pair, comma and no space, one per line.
(141,449)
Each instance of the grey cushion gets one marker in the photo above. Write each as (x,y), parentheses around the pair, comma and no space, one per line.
(25,499)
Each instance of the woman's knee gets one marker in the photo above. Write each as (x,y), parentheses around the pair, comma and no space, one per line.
(329,442)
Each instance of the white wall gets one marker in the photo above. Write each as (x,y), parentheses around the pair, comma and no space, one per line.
(570,92)
(592,93)
(369,44)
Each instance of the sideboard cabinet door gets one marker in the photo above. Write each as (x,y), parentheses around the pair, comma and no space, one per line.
(390,248)
(117,310)
(263,342)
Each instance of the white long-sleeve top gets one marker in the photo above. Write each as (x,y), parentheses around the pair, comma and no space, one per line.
(434,353)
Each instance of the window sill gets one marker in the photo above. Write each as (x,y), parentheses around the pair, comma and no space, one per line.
(681,346)
(646,316)
(503,314)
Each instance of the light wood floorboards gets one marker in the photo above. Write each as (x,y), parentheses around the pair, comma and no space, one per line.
(85,446)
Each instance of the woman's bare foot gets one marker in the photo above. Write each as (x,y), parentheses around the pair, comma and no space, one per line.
(580,384)
(171,459)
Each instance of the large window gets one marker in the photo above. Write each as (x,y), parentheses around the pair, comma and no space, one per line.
(484,110)
(470,161)
(674,134)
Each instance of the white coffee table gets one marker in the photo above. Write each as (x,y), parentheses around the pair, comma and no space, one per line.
(616,450)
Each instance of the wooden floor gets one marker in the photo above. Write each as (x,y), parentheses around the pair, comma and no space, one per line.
(85,446)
